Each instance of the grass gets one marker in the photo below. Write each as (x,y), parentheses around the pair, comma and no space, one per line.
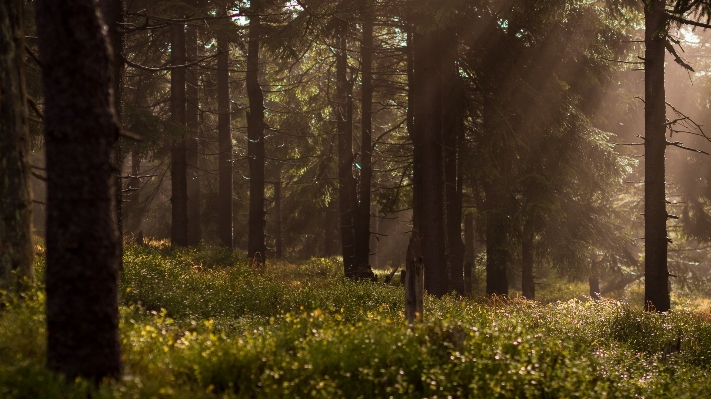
(201,323)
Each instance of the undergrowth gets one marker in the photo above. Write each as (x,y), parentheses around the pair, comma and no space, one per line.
(203,324)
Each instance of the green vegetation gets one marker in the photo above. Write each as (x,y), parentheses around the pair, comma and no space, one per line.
(202,323)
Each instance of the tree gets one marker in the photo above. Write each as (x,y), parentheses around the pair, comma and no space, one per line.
(256,248)
(191,143)
(178,165)
(224,138)
(16,260)
(80,133)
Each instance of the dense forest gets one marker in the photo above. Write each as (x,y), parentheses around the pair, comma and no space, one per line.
(365,198)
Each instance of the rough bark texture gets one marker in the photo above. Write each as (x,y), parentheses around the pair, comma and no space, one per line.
(16,248)
(527,283)
(224,138)
(256,246)
(656,289)
(343,111)
(191,143)
(81,131)
(361,220)
(178,166)
(429,185)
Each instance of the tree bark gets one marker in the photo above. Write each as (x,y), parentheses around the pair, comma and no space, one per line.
(81,131)
(414,276)
(192,145)
(361,221)
(178,167)
(374,240)
(224,138)
(429,159)
(277,215)
(527,284)
(16,258)
(494,203)
(343,110)
(256,248)
(656,289)
(469,252)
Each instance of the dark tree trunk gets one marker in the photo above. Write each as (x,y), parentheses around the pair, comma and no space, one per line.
(133,209)
(346,182)
(429,159)
(417,149)
(469,252)
(277,215)
(192,146)
(453,114)
(17,256)
(224,138)
(527,282)
(374,240)
(178,167)
(495,199)
(594,281)
(656,286)
(256,246)
(81,131)
(361,220)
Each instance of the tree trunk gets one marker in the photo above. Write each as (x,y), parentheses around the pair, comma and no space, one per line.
(346,182)
(16,259)
(414,276)
(277,215)
(374,238)
(496,218)
(133,209)
(656,290)
(256,247)
(469,252)
(224,138)
(417,149)
(361,220)
(81,131)
(429,159)
(178,167)
(453,129)
(527,284)
(192,146)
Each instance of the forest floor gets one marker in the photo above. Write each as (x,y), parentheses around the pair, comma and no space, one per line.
(201,323)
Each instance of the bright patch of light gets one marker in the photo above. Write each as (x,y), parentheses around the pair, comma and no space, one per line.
(689,35)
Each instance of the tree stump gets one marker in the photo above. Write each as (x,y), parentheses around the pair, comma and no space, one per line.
(414,279)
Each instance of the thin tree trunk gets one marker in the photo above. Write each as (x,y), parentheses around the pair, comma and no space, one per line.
(133,211)
(656,289)
(469,252)
(256,247)
(495,197)
(178,167)
(16,259)
(81,130)
(224,138)
(527,283)
(362,217)
(430,185)
(192,146)
(277,215)
(346,181)
(374,240)
(417,149)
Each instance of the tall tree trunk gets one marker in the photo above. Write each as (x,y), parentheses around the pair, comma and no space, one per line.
(192,146)
(133,210)
(495,198)
(656,289)
(224,139)
(16,258)
(469,252)
(374,240)
(527,283)
(417,149)
(178,167)
(430,185)
(453,115)
(361,220)
(81,131)
(346,181)
(113,17)
(255,147)
(277,215)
